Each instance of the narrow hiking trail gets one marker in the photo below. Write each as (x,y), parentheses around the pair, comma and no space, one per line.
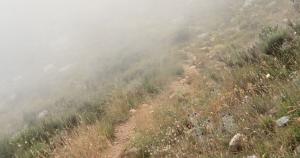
(125,132)
(88,141)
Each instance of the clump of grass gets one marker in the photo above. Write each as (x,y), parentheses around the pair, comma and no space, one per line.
(150,87)
(262,104)
(268,125)
(281,44)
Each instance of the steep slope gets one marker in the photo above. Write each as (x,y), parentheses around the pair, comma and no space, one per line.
(226,95)
(245,100)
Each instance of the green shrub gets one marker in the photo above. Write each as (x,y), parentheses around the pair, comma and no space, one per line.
(280,44)
(240,58)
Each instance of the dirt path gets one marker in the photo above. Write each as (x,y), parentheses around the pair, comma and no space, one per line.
(124,132)
(87,141)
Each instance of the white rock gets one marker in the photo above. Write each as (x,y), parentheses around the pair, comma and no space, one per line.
(252,156)
(132,111)
(236,143)
(283,121)
(42,114)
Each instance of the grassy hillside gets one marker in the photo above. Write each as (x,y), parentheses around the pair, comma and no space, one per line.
(230,75)
(103,97)
(247,83)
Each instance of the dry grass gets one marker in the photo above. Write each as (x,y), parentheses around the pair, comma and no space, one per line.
(86,141)
(190,122)
(184,116)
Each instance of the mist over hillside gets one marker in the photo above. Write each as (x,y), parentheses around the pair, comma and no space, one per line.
(149,78)
(56,49)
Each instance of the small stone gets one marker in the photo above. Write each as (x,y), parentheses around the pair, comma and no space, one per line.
(236,143)
(297,150)
(132,111)
(252,156)
(172,96)
(283,121)
(42,114)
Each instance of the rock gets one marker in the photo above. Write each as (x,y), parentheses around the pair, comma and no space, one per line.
(131,153)
(236,143)
(283,121)
(42,114)
(132,111)
(229,124)
(172,96)
(297,150)
(252,156)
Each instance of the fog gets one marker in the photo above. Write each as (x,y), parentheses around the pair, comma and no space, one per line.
(48,43)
